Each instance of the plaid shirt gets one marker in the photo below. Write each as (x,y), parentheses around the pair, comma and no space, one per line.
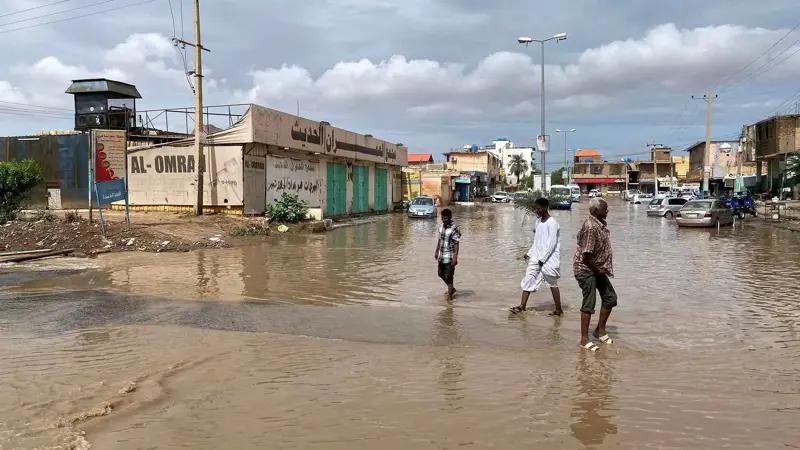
(594,238)
(448,238)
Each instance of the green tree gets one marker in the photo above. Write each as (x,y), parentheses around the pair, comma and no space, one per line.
(556,176)
(17,180)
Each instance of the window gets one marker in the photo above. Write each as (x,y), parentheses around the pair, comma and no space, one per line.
(677,201)
(656,201)
(719,205)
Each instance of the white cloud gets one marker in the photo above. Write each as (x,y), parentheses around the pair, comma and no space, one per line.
(146,60)
(666,60)
(614,79)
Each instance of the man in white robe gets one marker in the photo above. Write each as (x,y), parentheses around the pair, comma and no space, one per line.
(544,259)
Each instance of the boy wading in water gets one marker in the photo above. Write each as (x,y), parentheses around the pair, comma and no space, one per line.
(544,259)
(447,250)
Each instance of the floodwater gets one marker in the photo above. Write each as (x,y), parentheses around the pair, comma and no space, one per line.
(346,341)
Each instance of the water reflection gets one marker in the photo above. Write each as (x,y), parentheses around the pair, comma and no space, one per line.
(593,408)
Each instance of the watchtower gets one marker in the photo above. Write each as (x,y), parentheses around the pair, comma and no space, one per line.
(104,104)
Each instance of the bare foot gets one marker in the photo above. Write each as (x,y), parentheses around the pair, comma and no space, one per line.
(556,313)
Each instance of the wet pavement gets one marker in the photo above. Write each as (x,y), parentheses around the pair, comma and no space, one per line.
(346,341)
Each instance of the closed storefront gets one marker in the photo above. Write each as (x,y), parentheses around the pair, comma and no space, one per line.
(336,190)
(360,189)
(380,189)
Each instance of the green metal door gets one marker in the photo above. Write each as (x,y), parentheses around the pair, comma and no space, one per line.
(380,189)
(336,190)
(360,189)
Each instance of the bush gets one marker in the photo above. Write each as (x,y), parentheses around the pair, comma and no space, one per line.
(43,214)
(17,180)
(72,216)
(289,209)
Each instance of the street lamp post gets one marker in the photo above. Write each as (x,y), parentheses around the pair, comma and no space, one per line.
(566,164)
(526,41)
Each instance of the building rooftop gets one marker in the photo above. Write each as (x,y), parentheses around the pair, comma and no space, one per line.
(102,85)
(420,157)
(586,152)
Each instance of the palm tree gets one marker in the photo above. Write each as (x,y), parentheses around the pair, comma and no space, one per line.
(518,166)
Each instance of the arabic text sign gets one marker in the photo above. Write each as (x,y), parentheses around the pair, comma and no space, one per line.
(295,176)
(109,155)
(110,191)
(291,132)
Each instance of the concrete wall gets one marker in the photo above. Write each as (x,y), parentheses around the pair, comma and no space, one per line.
(166,176)
(64,160)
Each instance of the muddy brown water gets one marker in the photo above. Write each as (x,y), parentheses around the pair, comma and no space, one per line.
(345,341)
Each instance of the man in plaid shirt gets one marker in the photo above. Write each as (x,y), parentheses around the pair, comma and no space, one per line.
(447,250)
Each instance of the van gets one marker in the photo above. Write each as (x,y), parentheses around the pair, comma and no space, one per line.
(576,192)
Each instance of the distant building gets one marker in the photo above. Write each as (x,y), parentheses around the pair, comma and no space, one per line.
(480,172)
(418,159)
(770,142)
(681,167)
(720,162)
(587,155)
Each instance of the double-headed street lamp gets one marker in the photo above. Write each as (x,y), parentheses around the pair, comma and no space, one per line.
(526,41)
(566,163)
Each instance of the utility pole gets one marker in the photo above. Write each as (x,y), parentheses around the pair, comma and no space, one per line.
(652,147)
(709,99)
(199,129)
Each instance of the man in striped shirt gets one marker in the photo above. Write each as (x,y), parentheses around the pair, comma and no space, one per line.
(447,250)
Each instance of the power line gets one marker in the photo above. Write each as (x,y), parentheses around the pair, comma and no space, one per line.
(766,66)
(56,13)
(77,17)
(757,58)
(34,106)
(34,8)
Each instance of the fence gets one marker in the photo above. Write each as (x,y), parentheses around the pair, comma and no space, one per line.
(64,160)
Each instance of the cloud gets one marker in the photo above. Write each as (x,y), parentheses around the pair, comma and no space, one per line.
(625,80)
(666,60)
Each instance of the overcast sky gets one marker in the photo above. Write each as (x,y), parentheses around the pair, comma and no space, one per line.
(432,74)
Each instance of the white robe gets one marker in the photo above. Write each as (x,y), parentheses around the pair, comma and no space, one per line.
(546,248)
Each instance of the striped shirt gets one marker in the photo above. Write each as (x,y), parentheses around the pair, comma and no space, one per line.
(448,238)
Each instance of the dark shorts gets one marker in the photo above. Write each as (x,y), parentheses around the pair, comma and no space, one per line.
(590,286)
(446,272)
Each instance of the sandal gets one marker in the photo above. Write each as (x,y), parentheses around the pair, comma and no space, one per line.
(606,339)
(591,346)
(516,310)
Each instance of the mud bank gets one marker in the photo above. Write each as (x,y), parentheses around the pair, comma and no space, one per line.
(149,232)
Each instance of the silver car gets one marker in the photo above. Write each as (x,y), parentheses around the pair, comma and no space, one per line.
(665,207)
(704,213)
(423,207)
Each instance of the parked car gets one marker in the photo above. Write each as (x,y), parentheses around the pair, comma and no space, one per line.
(422,207)
(501,197)
(595,193)
(704,213)
(665,207)
(642,198)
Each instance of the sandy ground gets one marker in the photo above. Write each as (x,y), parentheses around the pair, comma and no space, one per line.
(148,232)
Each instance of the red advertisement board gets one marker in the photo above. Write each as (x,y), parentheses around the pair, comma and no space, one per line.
(109,155)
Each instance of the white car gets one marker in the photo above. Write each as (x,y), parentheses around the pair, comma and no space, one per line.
(501,197)
(595,193)
(638,199)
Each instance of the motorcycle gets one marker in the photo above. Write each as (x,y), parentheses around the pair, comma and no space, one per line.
(746,205)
